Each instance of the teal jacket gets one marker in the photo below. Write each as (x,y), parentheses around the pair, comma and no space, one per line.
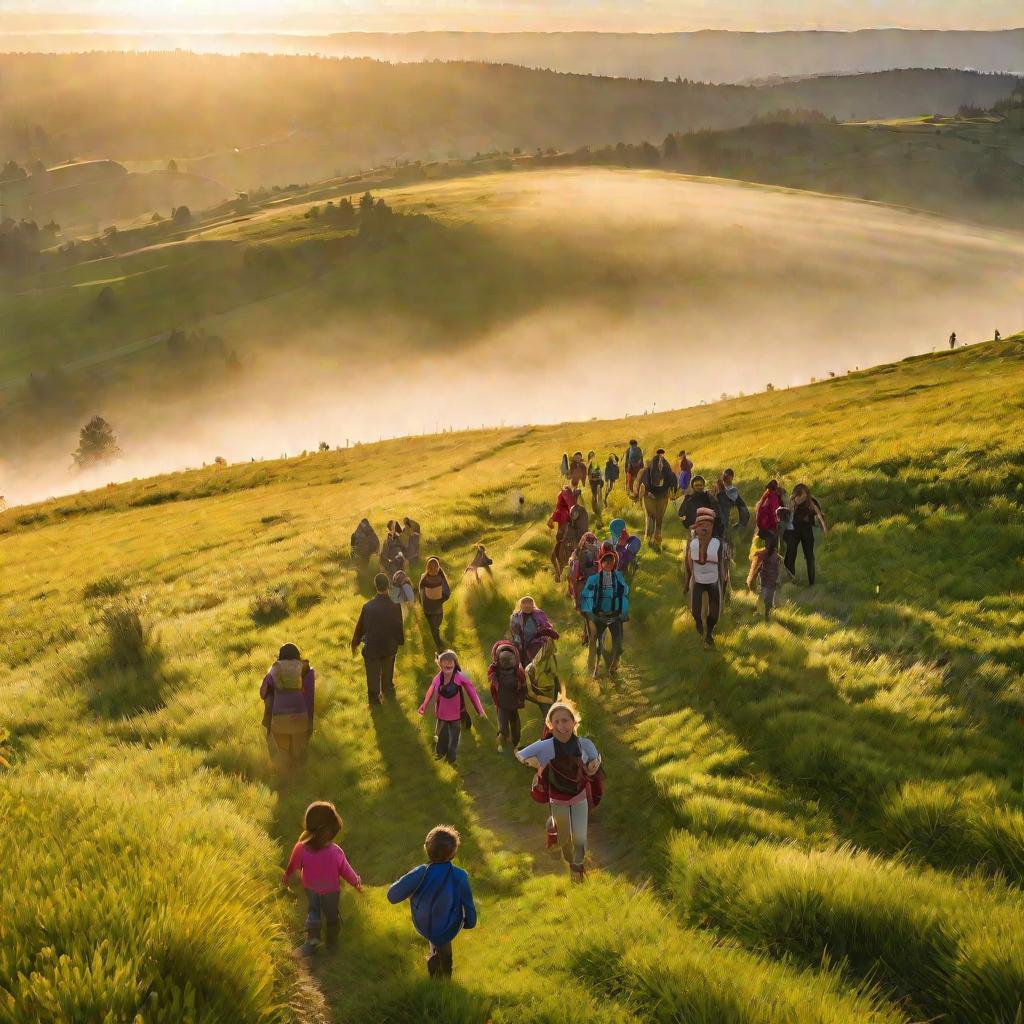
(605,599)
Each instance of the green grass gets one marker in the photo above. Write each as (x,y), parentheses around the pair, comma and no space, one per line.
(821,822)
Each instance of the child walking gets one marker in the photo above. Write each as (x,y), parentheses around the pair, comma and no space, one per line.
(287,692)
(440,898)
(322,864)
(766,565)
(448,690)
(508,691)
(567,766)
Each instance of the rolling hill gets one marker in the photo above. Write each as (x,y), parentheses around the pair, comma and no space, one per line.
(690,287)
(260,120)
(820,823)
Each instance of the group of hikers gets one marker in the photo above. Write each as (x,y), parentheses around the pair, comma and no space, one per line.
(568,774)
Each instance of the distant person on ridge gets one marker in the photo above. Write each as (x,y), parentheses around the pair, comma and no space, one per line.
(287,692)
(998,337)
(952,341)
(657,484)
(704,567)
(380,631)
(440,897)
(685,472)
(605,602)
(805,514)
(434,590)
(634,463)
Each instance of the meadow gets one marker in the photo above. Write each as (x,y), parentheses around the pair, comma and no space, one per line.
(822,821)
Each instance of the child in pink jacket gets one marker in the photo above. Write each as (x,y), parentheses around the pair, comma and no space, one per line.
(449,690)
(322,864)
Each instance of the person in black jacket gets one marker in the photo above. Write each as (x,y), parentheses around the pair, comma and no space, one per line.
(658,482)
(695,499)
(381,633)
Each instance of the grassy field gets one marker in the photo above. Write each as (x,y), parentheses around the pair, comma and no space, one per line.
(820,822)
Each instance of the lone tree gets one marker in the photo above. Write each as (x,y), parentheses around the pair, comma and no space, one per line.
(96,444)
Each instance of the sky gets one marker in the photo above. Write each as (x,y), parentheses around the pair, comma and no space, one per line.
(506,15)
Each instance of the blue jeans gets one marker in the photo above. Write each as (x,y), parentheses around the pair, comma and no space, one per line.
(323,908)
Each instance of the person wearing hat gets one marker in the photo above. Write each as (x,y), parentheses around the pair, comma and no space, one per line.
(604,602)
(380,631)
(658,482)
(704,566)
(287,693)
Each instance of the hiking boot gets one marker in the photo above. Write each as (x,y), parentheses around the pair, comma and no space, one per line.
(310,946)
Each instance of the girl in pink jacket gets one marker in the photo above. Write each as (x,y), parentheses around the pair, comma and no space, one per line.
(449,690)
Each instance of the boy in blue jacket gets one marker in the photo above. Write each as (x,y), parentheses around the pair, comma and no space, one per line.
(440,897)
(604,603)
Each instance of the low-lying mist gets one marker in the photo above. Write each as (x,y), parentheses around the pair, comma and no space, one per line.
(714,288)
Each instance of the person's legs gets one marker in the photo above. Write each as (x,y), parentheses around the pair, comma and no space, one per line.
(504,726)
(615,628)
(283,744)
(578,819)
(440,738)
(594,641)
(807,543)
(329,912)
(714,592)
(387,676)
(768,597)
(454,731)
(314,922)
(791,547)
(649,515)
(373,674)
(515,726)
(599,653)
(439,963)
(660,508)
(300,746)
(434,620)
(560,812)
(697,606)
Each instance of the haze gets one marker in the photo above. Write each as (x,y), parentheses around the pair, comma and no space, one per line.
(688,289)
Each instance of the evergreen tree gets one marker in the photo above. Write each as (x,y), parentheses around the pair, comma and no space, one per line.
(96,444)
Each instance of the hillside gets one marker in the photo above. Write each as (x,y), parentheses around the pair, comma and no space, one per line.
(260,120)
(728,57)
(819,822)
(538,279)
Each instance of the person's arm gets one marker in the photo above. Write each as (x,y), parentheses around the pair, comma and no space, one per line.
(591,758)
(743,512)
(820,516)
(357,634)
(689,567)
(406,885)
(309,693)
(267,687)
(430,693)
(536,755)
(587,596)
(468,906)
(294,863)
(346,871)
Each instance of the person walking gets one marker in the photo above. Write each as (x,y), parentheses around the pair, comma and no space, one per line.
(611,475)
(434,590)
(287,692)
(508,691)
(525,626)
(440,897)
(449,690)
(704,575)
(605,603)
(657,484)
(633,460)
(805,514)
(380,631)
(765,568)
(567,767)
(685,472)
(595,478)
(559,518)
(693,501)
(952,341)
(766,510)
(365,543)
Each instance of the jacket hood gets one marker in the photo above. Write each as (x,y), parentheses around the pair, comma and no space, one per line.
(501,644)
(616,526)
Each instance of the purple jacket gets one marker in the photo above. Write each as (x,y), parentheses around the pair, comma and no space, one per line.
(524,630)
(449,709)
(277,701)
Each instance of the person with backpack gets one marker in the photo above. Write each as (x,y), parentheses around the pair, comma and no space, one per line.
(605,602)
(365,543)
(765,567)
(392,552)
(611,475)
(543,683)
(434,590)
(449,690)
(560,518)
(656,485)
(287,692)
(380,631)
(508,691)
(440,897)
(693,501)
(567,779)
(634,463)
(805,514)
(412,535)
(728,497)
(583,565)
(525,625)
(685,472)
(627,549)
(704,559)
(595,478)
(766,511)
(577,470)
(402,592)
(322,865)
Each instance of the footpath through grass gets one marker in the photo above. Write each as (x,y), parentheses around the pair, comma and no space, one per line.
(819,822)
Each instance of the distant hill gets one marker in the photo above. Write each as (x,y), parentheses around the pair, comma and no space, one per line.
(704,56)
(257,119)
